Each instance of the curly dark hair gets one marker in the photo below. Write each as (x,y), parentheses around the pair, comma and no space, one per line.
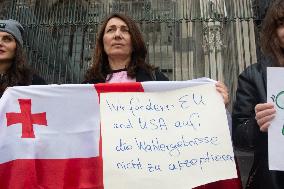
(19,72)
(270,44)
(100,67)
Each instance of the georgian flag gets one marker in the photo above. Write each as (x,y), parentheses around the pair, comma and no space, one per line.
(50,135)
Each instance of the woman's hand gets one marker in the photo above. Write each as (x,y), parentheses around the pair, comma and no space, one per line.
(222,89)
(264,113)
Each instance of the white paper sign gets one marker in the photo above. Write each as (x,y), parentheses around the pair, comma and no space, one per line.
(275,94)
(175,139)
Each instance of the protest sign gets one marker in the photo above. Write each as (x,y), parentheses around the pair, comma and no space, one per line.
(166,139)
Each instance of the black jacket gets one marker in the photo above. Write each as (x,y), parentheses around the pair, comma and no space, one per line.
(36,80)
(141,76)
(246,134)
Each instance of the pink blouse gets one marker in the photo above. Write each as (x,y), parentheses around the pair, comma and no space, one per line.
(119,77)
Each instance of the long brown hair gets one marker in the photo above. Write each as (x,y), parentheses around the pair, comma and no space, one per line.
(270,44)
(19,72)
(100,67)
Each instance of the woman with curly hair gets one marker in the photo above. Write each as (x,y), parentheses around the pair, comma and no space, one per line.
(251,113)
(14,70)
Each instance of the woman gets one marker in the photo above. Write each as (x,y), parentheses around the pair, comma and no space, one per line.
(251,113)
(13,65)
(120,56)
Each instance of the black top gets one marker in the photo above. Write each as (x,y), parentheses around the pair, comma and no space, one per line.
(36,80)
(141,76)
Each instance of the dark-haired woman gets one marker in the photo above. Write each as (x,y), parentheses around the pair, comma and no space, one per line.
(120,56)
(251,113)
(13,67)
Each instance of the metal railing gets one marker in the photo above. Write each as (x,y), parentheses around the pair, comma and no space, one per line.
(186,38)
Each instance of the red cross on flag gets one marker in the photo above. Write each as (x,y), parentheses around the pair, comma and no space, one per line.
(50,135)
(26,118)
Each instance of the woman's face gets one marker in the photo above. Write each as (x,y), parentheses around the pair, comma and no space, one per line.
(117,39)
(8,47)
(280,35)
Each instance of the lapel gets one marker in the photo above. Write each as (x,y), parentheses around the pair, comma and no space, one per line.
(266,62)
(142,76)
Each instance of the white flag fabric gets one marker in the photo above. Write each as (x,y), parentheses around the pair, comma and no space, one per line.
(49,137)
